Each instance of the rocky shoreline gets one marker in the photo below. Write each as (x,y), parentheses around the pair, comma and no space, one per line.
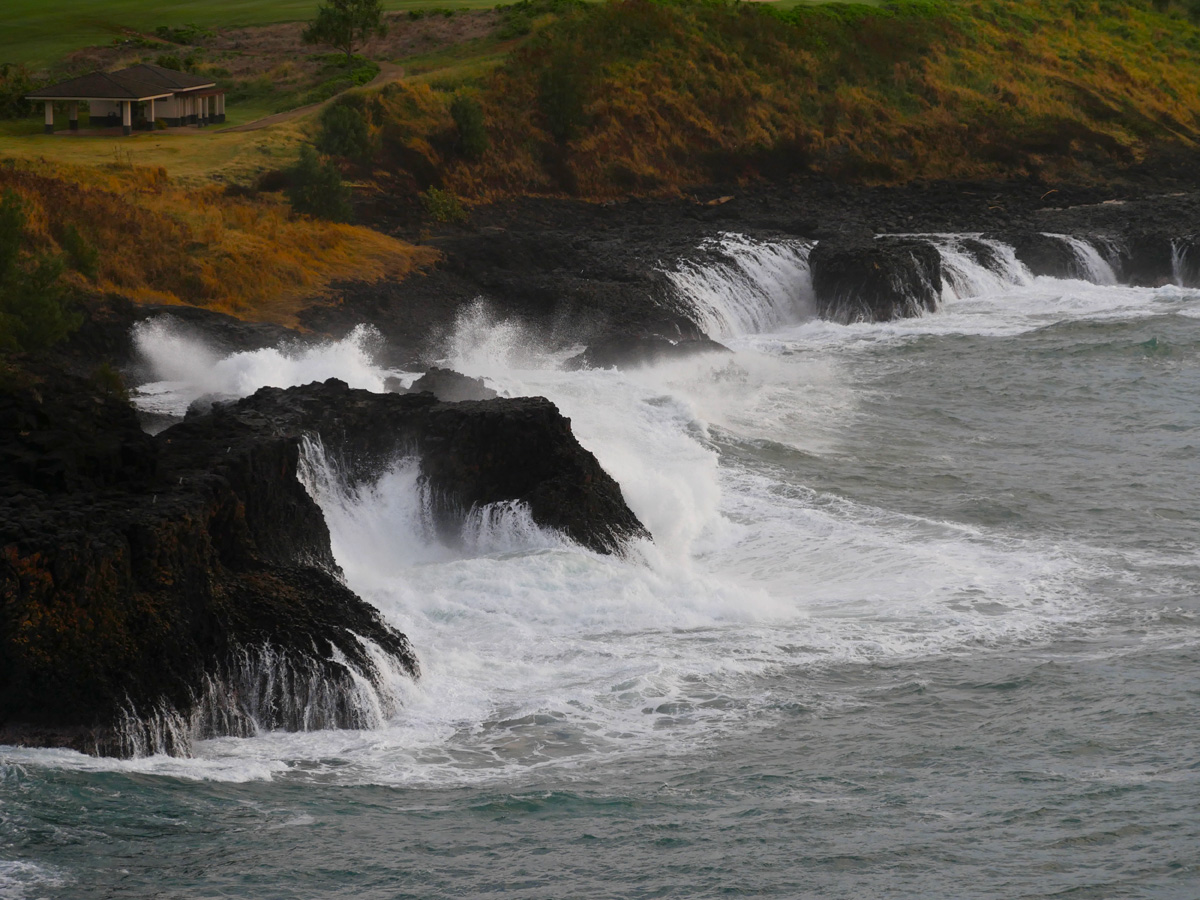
(573,271)
(159,589)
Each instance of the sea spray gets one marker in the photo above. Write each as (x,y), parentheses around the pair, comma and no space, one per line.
(534,650)
(181,367)
(1091,266)
(260,688)
(973,266)
(744,286)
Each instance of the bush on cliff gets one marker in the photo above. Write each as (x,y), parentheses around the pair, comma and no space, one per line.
(35,310)
(316,188)
(345,130)
(472,133)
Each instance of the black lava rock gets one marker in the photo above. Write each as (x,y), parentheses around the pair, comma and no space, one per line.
(138,573)
(445,384)
(875,280)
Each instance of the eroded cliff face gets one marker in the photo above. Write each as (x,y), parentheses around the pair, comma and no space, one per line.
(160,589)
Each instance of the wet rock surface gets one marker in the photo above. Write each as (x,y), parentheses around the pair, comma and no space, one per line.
(875,280)
(136,572)
(472,453)
(134,568)
(446,385)
(574,272)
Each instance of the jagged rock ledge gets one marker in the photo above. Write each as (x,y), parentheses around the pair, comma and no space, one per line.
(885,277)
(160,589)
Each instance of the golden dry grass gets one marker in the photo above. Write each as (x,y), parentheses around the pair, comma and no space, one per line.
(160,242)
(636,96)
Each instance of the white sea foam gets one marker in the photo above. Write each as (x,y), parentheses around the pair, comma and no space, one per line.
(963,275)
(1046,302)
(23,880)
(536,652)
(182,367)
(747,286)
(1094,267)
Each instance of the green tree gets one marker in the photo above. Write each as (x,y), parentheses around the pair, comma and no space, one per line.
(15,83)
(344,24)
(35,311)
(316,188)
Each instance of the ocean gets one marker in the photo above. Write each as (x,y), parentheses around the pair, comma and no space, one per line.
(920,619)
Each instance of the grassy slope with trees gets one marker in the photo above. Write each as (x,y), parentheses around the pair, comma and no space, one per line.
(640,96)
(653,97)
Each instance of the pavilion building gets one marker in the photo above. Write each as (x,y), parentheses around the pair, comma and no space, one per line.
(136,97)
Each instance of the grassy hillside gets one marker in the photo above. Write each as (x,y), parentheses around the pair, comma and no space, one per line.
(132,231)
(39,32)
(642,96)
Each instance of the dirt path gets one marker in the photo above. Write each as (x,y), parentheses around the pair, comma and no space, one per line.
(388,72)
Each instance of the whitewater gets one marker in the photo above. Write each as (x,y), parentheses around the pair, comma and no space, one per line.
(920,618)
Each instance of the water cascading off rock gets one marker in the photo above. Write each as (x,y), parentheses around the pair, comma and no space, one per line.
(163,589)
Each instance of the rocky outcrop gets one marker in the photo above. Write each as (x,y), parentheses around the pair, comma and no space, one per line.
(472,453)
(145,580)
(445,384)
(1185,260)
(159,589)
(1151,258)
(1042,254)
(875,280)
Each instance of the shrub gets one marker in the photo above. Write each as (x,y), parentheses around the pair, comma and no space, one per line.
(35,311)
(443,206)
(110,381)
(562,90)
(15,83)
(83,257)
(316,188)
(517,19)
(472,134)
(345,131)
(184,34)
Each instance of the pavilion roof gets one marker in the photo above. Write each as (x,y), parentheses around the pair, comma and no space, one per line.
(170,78)
(140,82)
(101,86)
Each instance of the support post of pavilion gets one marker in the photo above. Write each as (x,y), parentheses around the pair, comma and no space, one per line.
(49,129)
(126,117)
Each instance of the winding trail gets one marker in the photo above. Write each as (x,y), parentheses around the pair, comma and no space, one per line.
(388,72)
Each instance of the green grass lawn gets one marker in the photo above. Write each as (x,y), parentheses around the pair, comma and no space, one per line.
(39,32)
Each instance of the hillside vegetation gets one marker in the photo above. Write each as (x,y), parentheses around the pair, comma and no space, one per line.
(653,97)
(39,32)
(132,231)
